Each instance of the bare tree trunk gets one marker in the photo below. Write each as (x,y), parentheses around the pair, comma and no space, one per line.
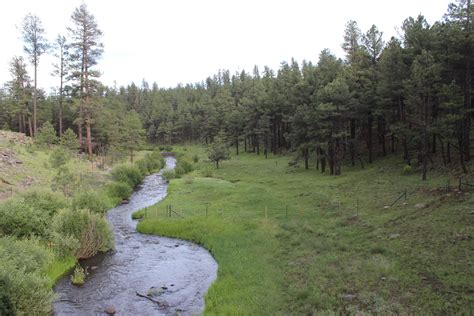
(35,97)
(29,125)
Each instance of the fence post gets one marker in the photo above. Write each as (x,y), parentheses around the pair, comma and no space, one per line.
(357,209)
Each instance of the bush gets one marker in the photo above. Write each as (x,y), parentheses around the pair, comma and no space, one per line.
(65,180)
(69,140)
(188,180)
(118,190)
(185,165)
(46,135)
(23,290)
(45,200)
(151,162)
(90,232)
(59,157)
(179,171)
(79,275)
(169,174)
(195,158)
(19,219)
(407,169)
(27,293)
(166,148)
(128,174)
(90,200)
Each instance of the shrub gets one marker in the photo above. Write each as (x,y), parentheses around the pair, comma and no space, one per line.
(65,180)
(185,165)
(195,158)
(69,140)
(23,290)
(27,293)
(188,180)
(19,219)
(90,231)
(45,200)
(169,174)
(59,157)
(128,174)
(79,275)
(166,148)
(118,190)
(407,169)
(179,171)
(46,135)
(90,200)
(151,162)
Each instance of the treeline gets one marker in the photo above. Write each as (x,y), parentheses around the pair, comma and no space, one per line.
(411,95)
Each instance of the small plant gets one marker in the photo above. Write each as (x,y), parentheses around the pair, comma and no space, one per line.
(195,158)
(169,174)
(208,173)
(79,275)
(138,214)
(407,170)
(59,157)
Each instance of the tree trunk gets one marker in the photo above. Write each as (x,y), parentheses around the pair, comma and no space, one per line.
(88,137)
(237,145)
(448,152)
(35,97)
(369,136)
(352,143)
(217,164)
(306,158)
(29,125)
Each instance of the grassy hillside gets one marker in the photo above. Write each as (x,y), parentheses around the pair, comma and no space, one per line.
(290,240)
(24,166)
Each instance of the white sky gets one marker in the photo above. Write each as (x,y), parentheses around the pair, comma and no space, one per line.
(187,40)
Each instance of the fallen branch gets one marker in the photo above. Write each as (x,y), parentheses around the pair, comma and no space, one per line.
(161,304)
(5,181)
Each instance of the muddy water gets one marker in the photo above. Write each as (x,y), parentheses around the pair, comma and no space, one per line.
(177,272)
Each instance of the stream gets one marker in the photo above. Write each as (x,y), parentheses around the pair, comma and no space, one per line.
(177,273)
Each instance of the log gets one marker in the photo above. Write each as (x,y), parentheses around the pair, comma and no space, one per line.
(161,304)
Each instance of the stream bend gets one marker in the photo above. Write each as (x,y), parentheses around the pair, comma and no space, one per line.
(177,272)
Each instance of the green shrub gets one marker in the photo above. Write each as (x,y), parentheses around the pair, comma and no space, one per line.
(195,158)
(407,169)
(46,135)
(45,200)
(151,162)
(28,255)
(87,233)
(138,214)
(118,190)
(69,140)
(59,157)
(166,148)
(79,275)
(27,293)
(90,200)
(65,180)
(185,165)
(22,288)
(179,171)
(188,180)
(19,219)
(169,174)
(127,173)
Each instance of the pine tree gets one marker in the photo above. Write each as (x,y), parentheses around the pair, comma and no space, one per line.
(35,46)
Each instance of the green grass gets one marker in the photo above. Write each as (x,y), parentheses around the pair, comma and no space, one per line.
(58,267)
(290,240)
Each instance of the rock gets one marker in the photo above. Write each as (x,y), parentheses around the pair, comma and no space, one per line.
(348,297)
(93,268)
(393,236)
(404,203)
(383,278)
(386,207)
(171,284)
(177,245)
(420,206)
(164,287)
(125,201)
(110,310)
(154,292)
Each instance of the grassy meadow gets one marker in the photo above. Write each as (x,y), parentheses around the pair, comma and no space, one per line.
(294,241)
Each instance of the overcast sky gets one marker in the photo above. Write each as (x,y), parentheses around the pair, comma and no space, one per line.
(184,41)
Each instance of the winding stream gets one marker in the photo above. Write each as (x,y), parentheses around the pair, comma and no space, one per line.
(177,272)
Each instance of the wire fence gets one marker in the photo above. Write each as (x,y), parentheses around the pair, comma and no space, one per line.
(387,200)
